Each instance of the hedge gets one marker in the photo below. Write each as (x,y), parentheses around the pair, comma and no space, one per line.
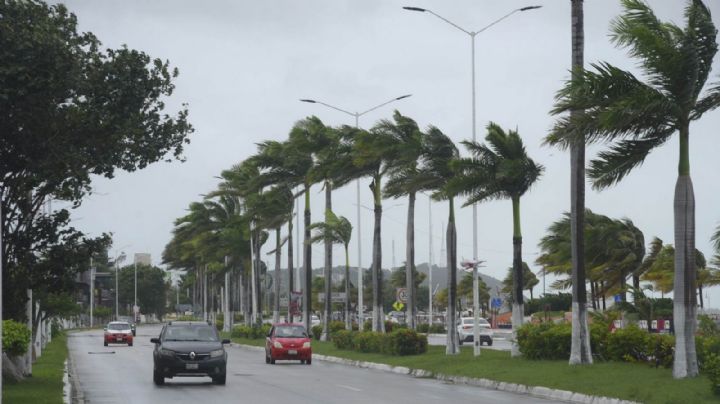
(400,342)
(254,332)
(15,338)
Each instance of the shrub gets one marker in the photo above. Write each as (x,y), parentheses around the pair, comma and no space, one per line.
(422,327)
(404,342)
(219,324)
(336,326)
(343,339)
(628,344)
(706,348)
(368,341)
(545,340)
(660,349)
(55,328)
(316,330)
(254,332)
(15,338)
(437,329)
(712,369)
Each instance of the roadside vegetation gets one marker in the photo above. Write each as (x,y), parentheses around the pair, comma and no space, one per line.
(45,386)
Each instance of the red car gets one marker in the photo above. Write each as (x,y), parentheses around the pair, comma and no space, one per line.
(288,341)
(118,332)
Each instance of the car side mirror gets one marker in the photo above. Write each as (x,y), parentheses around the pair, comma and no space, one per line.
(270,334)
(226,341)
(155,340)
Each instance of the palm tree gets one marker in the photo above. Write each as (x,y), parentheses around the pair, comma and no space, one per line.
(439,152)
(529,281)
(500,170)
(406,178)
(284,165)
(373,152)
(336,230)
(334,167)
(636,117)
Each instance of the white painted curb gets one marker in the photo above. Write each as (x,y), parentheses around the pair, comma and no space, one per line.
(534,391)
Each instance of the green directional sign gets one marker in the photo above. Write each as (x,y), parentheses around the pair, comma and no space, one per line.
(398,306)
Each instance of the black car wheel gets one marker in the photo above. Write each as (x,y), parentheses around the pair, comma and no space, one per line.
(106,344)
(158,378)
(267,359)
(490,343)
(220,379)
(272,361)
(308,361)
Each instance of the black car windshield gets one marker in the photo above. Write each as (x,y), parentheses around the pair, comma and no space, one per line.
(118,326)
(290,332)
(190,333)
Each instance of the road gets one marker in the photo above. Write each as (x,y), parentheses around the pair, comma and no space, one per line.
(121,374)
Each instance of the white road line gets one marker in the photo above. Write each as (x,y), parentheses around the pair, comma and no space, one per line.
(348,387)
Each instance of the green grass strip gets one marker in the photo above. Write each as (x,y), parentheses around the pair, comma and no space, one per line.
(46,384)
(629,381)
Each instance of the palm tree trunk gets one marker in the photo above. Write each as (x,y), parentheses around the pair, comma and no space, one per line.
(410,261)
(685,301)
(378,323)
(452,342)
(580,344)
(291,284)
(517,304)
(328,266)
(348,321)
(247,269)
(257,285)
(307,264)
(702,302)
(276,298)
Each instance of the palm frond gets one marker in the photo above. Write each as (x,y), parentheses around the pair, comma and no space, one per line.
(619,160)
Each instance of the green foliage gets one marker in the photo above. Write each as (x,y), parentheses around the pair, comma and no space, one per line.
(102,312)
(627,344)
(15,338)
(399,342)
(219,324)
(707,326)
(431,329)
(707,347)
(712,370)
(151,288)
(253,332)
(545,340)
(316,331)
(557,302)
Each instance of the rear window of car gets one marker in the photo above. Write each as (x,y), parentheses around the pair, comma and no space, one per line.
(199,332)
(290,332)
(118,326)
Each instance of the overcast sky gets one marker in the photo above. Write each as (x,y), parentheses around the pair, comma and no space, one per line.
(244,65)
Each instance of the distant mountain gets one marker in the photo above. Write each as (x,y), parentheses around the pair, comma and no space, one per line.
(439,276)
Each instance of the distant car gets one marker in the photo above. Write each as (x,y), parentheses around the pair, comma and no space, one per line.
(118,332)
(189,349)
(465,330)
(314,320)
(288,341)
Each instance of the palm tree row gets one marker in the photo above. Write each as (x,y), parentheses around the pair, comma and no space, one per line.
(399,158)
(611,105)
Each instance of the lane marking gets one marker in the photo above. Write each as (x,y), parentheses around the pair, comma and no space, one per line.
(348,387)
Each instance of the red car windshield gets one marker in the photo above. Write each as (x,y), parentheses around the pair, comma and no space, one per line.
(118,327)
(290,332)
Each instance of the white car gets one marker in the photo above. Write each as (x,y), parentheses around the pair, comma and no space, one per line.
(465,330)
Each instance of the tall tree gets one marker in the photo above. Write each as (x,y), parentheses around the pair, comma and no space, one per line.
(406,178)
(637,116)
(439,152)
(373,153)
(69,109)
(529,281)
(336,230)
(500,170)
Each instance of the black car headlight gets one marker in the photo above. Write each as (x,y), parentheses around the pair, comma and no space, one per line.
(217,353)
(166,352)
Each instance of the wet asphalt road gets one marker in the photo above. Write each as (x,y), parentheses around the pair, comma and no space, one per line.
(121,374)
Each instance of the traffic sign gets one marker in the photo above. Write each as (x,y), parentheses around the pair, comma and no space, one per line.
(496,302)
(398,306)
(402,295)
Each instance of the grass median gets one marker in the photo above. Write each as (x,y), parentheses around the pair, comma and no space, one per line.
(637,382)
(46,384)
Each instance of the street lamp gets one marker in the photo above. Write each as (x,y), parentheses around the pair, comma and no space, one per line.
(357,115)
(118,259)
(472,35)
(473,265)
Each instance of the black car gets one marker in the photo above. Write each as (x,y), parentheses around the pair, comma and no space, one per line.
(189,349)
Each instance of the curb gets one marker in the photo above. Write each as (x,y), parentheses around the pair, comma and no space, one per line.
(533,391)
(76,395)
